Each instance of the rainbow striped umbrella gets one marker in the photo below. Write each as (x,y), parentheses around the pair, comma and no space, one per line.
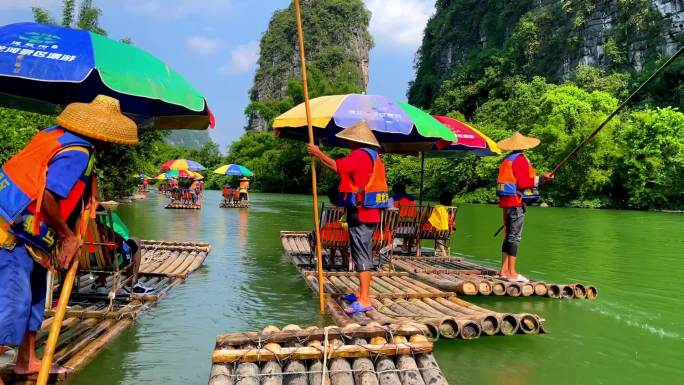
(469,140)
(234,169)
(182,164)
(180,174)
(398,126)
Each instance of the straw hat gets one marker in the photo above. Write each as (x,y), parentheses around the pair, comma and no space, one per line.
(244,178)
(100,119)
(518,142)
(359,133)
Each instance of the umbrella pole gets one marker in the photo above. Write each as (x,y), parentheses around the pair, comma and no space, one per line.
(422,174)
(319,253)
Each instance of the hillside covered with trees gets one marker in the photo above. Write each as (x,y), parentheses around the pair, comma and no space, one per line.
(554,69)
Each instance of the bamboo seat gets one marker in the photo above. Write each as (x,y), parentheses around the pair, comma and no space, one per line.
(103,254)
(427,231)
(409,221)
(334,237)
(383,236)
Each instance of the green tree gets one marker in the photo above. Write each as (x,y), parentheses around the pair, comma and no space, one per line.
(652,159)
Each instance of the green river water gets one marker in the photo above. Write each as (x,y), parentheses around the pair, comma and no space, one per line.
(632,334)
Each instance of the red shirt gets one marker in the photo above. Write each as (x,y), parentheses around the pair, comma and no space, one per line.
(359,165)
(521,171)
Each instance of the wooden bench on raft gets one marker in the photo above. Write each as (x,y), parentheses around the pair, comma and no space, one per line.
(468,278)
(398,298)
(102,258)
(387,355)
(335,237)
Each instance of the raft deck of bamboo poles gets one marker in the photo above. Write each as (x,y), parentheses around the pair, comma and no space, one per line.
(234,205)
(397,299)
(351,355)
(176,205)
(468,278)
(94,320)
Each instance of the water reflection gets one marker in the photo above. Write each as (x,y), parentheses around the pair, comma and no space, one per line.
(631,332)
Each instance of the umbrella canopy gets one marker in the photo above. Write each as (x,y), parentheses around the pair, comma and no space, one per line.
(42,63)
(234,169)
(179,174)
(469,140)
(399,127)
(182,164)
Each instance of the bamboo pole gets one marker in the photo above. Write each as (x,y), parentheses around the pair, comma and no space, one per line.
(314,188)
(55,328)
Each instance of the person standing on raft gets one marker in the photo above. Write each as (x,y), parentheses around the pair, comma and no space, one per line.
(44,191)
(516,185)
(363,192)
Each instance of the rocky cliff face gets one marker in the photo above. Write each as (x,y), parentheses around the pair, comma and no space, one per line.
(552,37)
(337,43)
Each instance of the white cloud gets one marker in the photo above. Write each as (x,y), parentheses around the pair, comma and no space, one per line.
(399,23)
(242,58)
(203,44)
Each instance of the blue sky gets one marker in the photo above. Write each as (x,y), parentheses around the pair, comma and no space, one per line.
(215,43)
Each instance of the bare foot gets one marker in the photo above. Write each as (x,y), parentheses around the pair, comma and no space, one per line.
(34,367)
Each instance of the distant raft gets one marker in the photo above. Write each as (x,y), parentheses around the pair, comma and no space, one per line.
(93,320)
(351,355)
(234,205)
(175,205)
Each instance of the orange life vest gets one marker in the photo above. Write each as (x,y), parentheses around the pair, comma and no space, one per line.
(22,186)
(507,183)
(374,194)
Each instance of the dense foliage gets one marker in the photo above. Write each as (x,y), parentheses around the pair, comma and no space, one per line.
(507,66)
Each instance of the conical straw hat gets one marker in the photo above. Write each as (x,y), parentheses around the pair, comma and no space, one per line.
(100,119)
(359,133)
(518,142)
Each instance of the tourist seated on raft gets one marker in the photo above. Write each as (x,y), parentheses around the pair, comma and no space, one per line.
(440,220)
(400,197)
(236,195)
(406,203)
(128,253)
(227,194)
(46,189)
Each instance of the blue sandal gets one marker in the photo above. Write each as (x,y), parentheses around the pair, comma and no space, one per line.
(356,307)
(351,297)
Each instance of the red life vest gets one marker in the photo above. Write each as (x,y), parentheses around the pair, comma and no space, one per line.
(374,195)
(22,185)
(507,183)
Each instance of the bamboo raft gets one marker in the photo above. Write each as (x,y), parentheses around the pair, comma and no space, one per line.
(399,298)
(467,278)
(351,355)
(233,205)
(93,320)
(175,205)
(452,274)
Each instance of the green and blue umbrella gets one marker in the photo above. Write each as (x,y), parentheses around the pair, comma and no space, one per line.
(57,65)
(234,169)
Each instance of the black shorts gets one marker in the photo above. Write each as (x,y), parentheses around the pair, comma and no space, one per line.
(360,239)
(514,220)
